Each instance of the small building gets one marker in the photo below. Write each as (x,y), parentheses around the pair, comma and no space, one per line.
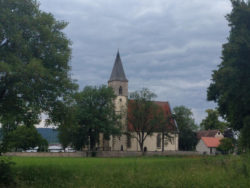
(208,145)
(209,133)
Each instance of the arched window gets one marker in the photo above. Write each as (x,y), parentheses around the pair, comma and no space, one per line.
(120,90)
(158,141)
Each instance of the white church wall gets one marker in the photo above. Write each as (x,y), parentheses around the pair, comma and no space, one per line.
(151,143)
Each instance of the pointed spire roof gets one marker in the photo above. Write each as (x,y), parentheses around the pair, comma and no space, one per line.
(118,72)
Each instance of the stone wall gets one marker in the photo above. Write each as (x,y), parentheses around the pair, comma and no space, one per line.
(101,154)
(137,154)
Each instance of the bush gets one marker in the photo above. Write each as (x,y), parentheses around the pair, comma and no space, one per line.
(93,154)
(23,138)
(6,173)
(226,146)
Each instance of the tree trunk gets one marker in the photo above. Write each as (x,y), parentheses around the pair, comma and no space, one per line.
(162,142)
(141,147)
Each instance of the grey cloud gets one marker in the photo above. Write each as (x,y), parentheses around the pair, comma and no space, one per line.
(169,46)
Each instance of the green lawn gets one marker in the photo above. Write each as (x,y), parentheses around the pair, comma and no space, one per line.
(219,171)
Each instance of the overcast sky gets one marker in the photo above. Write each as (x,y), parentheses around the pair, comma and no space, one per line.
(168,46)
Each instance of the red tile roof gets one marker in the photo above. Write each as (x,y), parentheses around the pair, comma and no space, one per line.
(211,142)
(166,110)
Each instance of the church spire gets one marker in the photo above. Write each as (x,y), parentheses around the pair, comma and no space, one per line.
(118,72)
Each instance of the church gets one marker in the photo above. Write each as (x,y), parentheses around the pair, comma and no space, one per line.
(119,83)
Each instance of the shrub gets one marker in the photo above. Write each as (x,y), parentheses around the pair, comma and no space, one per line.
(226,146)
(93,154)
(6,173)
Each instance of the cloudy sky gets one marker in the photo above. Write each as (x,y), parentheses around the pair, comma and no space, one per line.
(168,46)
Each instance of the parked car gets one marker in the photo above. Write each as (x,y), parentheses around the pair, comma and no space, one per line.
(55,148)
(69,149)
(32,149)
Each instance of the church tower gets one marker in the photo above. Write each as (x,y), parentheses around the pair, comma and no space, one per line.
(118,80)
(119,83)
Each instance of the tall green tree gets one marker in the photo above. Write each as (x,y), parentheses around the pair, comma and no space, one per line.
(92,114)
(212,121)
(187,128)
(34,68)
(230,86)
(143,115)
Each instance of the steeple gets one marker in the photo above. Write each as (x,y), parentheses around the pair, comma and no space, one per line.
(118,72)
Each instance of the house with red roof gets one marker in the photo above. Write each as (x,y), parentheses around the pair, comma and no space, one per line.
(119,83)
(208,145)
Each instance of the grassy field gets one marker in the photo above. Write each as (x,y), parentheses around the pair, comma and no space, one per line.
(219,171)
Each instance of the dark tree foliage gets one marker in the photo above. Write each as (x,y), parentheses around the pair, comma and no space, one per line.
(92,114)
(65,119)
(24,138)
(65,135)
(34,69)
(187,128)
(226,145)
(7,178)
(230,86)
(212,122)
(244,139)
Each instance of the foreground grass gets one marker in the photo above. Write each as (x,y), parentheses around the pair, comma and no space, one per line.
(232,171)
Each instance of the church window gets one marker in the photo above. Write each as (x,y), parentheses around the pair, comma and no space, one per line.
(158,141)
(120,90)
(120,99)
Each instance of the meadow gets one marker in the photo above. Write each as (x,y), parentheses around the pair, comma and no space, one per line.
(197,171)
